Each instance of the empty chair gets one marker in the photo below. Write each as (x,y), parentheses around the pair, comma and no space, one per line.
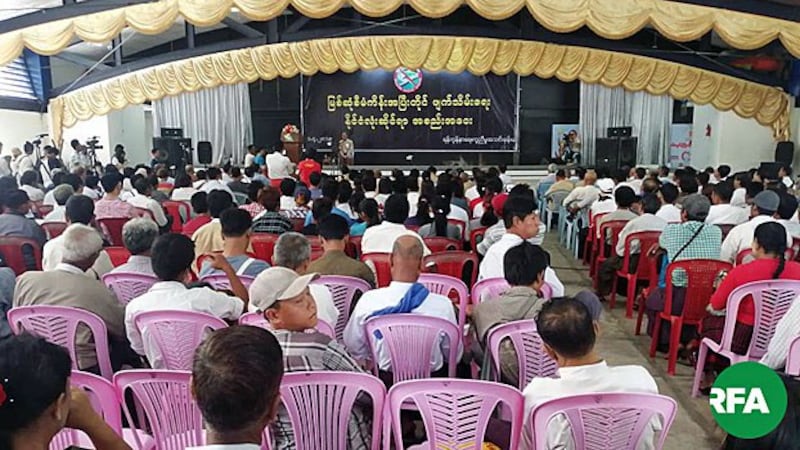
(180,212)
(488,289)
(112,229)
(379,263)
(54,229)
(319,405)
(127,286)
(457,264)
(646,240)
(21,254)
(59,325)
(531,359)
(344,290)
(602,421)
(455,413)
(171,337)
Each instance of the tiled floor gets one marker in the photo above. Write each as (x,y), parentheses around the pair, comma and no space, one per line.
(694,428)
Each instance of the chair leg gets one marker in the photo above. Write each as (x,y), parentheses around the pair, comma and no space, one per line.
(630,296)
(674,341)
(612,302)
(642,299)
(654,338)
(701,366)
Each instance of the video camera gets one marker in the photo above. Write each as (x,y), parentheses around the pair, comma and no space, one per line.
(92,143)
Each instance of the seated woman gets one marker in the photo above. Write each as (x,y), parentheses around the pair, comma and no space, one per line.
(769,245)
(440,227)
(369,214)
(36,400)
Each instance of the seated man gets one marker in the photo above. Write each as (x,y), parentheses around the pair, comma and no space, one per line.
(380,238)
(7,281)
(14,220)
(786,211)
(403,295)
(79,209)
(201,217)
(722,212)
(288,305)
(67,285)
(333,232)
(138,236)
(237,392)
(236,238)
(569,334)
(270,220)
(144,200)
(764,209)
(172,256)
(627,204)
(208,238)
(668,211)
(61,194)
(111,206)
(293,251)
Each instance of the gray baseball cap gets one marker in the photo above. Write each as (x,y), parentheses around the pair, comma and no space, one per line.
(767,201)
(697,206)
(276,284)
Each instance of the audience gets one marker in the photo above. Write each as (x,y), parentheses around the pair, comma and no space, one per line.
(668,210)
(380,238)
(787,211)
(208,238)
(238,182)
(271,220)
(199,202)
(183,191)
(627,206)
(582,197)
(214,182)
(287,188)
(144,200)
(29,182)
(61,194)
(722,212)
(333,233)
(278,166)
(254,192)
(79,209)
(236,232)
(14,220)
(369,216)
(111,206)
(764,209)
(172,257)
(138,236)
(440,226)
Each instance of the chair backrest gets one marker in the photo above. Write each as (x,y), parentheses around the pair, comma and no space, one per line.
(54,229)
(745,256)
(356,241)
(221,281)
(103,398)
(180,212)
(127,286)
(450,287)
(59,325)
(455,412)
(793,358)
(458,264)
(557,198)
(488,288)
(442,244)
(796,248)
(344,291)
(475,237)
(117,255)
(21,254)
(319,405)
(175,334)
(112,229)
(646,240)
(700,275)
(531,357)
(410,340)
(143,212)
(612,229)
(380,264)
(263,245)
(593,219)
(651,259)
(166,399)
(604,420)
(771,300)
(462,226)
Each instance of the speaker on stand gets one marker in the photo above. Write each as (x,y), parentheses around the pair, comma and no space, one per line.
(784,153)
(606,152)
(204,153)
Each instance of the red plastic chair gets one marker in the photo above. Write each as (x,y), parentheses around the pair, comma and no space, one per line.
(54,229)
(457,264)
(44,210)
(380,264)
(442,244)
(646,240)
(603,252)
(118,255)
(143,212)
(475,238)
(461,226)
(263,245)
(745,256)
(700,275)
(180,212)
(21,254)
(589,248)
(112,229)
(356,241)
(796,249)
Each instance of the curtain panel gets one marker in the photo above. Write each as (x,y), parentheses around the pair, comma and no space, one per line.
(220,115)
(649,115)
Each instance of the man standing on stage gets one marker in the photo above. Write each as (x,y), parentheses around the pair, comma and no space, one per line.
(347,150)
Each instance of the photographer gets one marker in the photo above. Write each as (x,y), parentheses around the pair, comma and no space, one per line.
(569,148)
(80,156)
(119,159)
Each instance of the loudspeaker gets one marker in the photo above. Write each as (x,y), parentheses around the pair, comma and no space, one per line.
(784,153)
(204,152)
(172,132)
(619,132)
(627,152)
(769,170)
(606,153)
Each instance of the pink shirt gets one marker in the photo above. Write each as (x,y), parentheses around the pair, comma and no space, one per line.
(112,209)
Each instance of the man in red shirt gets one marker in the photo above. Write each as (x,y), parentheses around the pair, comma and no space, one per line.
(200,208)
(308,166)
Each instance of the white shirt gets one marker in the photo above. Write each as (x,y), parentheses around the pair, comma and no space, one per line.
(326,308)
(725,214)
(636,184)
(645,222)
(216,185)
(586,379)
(492,264)
(670,213)
(345,207)
(183,194)
(739,198)
(248,159)
(459,213)
(49,198)
(413,203)
(603,207)
(34,194)
(380,238)
(582,196)
(22,164)
(53,251)
(175,296)
(279,166)
(91,193)
(58,214)
(495,232)
(791,226)
(785,332)
(287,202)
(506,179)
(471,193)
(741,238)
(141,201)
(355,338)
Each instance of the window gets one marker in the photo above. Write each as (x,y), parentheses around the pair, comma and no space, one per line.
(15,80)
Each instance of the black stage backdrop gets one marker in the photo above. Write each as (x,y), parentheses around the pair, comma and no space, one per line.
(408,110)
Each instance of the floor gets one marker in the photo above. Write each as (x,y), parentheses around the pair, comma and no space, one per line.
(694,428)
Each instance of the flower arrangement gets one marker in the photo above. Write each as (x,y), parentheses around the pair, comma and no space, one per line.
(290,133)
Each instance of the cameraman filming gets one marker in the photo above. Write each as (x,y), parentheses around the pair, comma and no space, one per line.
(569,148)
(80,157)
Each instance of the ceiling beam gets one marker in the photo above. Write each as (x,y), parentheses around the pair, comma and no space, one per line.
(70,9)
(244,30)
(80,60)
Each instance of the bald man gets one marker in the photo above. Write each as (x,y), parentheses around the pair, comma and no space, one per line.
(403,295)
(582,197)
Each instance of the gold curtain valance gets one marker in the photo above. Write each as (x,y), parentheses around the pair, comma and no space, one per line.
(611,19)
(768,105)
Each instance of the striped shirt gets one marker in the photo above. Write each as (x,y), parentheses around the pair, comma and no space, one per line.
(271,222)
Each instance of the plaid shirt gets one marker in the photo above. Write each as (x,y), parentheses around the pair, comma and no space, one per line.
(271,222)
(298,212)
(254,208)
(313,352)
(706,245)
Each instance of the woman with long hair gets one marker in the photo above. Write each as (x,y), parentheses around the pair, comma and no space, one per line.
(369,214)
(440,227)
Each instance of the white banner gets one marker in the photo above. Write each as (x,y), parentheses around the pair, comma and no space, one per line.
(680,145)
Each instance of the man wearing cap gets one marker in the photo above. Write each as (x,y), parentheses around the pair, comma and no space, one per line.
(764,209)
(13,221)
(286,302)
(605,199)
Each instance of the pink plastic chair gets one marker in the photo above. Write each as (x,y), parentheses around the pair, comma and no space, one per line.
(257,319)
(59,325)
(488,288)
(449,287)
(793,358)
(175,335)
(771,300)
(127,285)
(165,398)
(531,357)
(455,412)
(604,421)
(104,400)
(344,291)
(319,406)
(220,281)
(410,340)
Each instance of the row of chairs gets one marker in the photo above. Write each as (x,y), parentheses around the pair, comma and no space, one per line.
(455,413)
